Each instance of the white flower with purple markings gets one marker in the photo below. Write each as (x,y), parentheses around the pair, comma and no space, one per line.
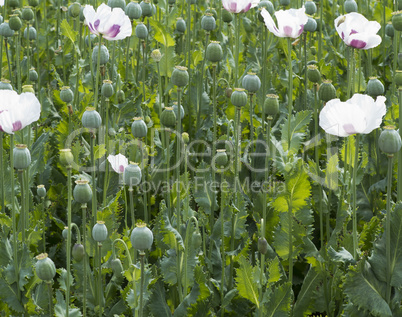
(118,162)
(290,22)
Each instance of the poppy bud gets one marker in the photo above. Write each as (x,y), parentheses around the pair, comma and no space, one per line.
(375,87)
(313,74)
(74,9)
(146,7)
(397,20)
(121,97)
(66,157)
(271,105)
(15,22)
(133,10)
(14,3)
(78,252)
(156,55)
(27,13)
(180,25)
(141,31)
(398,78)
(227,17)
(66,94)
(33,74)
(310,7)
(107,90)
(185,137)
(41,191)
(389,29)
(311,25)
(350,6)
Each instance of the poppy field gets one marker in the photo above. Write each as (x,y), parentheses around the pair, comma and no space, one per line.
(200,158)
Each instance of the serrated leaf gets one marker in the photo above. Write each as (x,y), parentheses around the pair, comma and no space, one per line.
(181,310)
(331,173)
(278,304)
(60,307)
(342,255)
(298,126)
(365,291)
(307,295)
(8,294)
(161,33)
(246,286)
(378,260)
(68,32)
(157,303)
(274,271)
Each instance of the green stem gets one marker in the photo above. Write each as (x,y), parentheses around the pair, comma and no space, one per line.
(395,46)
(144,179)
(355,166)
(388,228)
(125,247)
(111,75)
(106,179)
(212,214)
(8,61)
(320,31)
(44,215)
(127,57)
(178,158)
(28,54)
(237,48)
(144,50)
(264,58)
(237,150)
(50,293)
(305,69)
(142,254)
(23,211)
(17,56)
(223,255)
(84,274)
(200,85)
(290,220)
(262,265)
(126,206)
(290,91)
(69,198)
(167,134)
(97,72)
(100,291)
(130,190)
(399,178)
(93,173)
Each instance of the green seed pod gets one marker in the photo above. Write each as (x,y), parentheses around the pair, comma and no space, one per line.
(117,267)
(228,92)
(375,87)
(66,94)
(262,245)
(82,192)
(139,128)
(78,252)
(180,25)
(185,137)
(208,22)
(214,52)
(22,157)
(5,30)
(74,9)
(147,119)
(27,13)
(284,2)
(133,10)
(389,141)
(146,7)
(176,110)
(251,82)
(41,191)
(196,240)
(180,76)
(168,117)
(33,74)
(239,97)
(221,158)
(311,25)
(313,74)
(117,4)
(132,174)
(121,97)
(141,237)
(213,12)
(398,78)
(91,119)
(271,105)
(28,88)
(99,231)
(350,6)
(227,17)
(267,5)
(310,7)
(14,3)
(5,84)
(141,31)
(327,91)
(33,3)
(107,89)
(104,55)
(389,29)
(397,20)
(156,55)
(45,268)
(15,22)
(66,157)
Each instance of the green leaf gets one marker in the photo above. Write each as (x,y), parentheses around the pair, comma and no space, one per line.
(365,291)
(274,271)
(307,296)
(8,294)
(68,32)
(157,303)
(343,256)
(246,286)
(278,303)
(203,194)
(298,127)
(161,33)
(60,308)
(378,260)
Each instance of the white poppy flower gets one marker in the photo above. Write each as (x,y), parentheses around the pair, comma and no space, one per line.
(17,111)
(237,6)
(290,22)
(358,32)
(112,24)
(1,3)
(359,114)
(118,162)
